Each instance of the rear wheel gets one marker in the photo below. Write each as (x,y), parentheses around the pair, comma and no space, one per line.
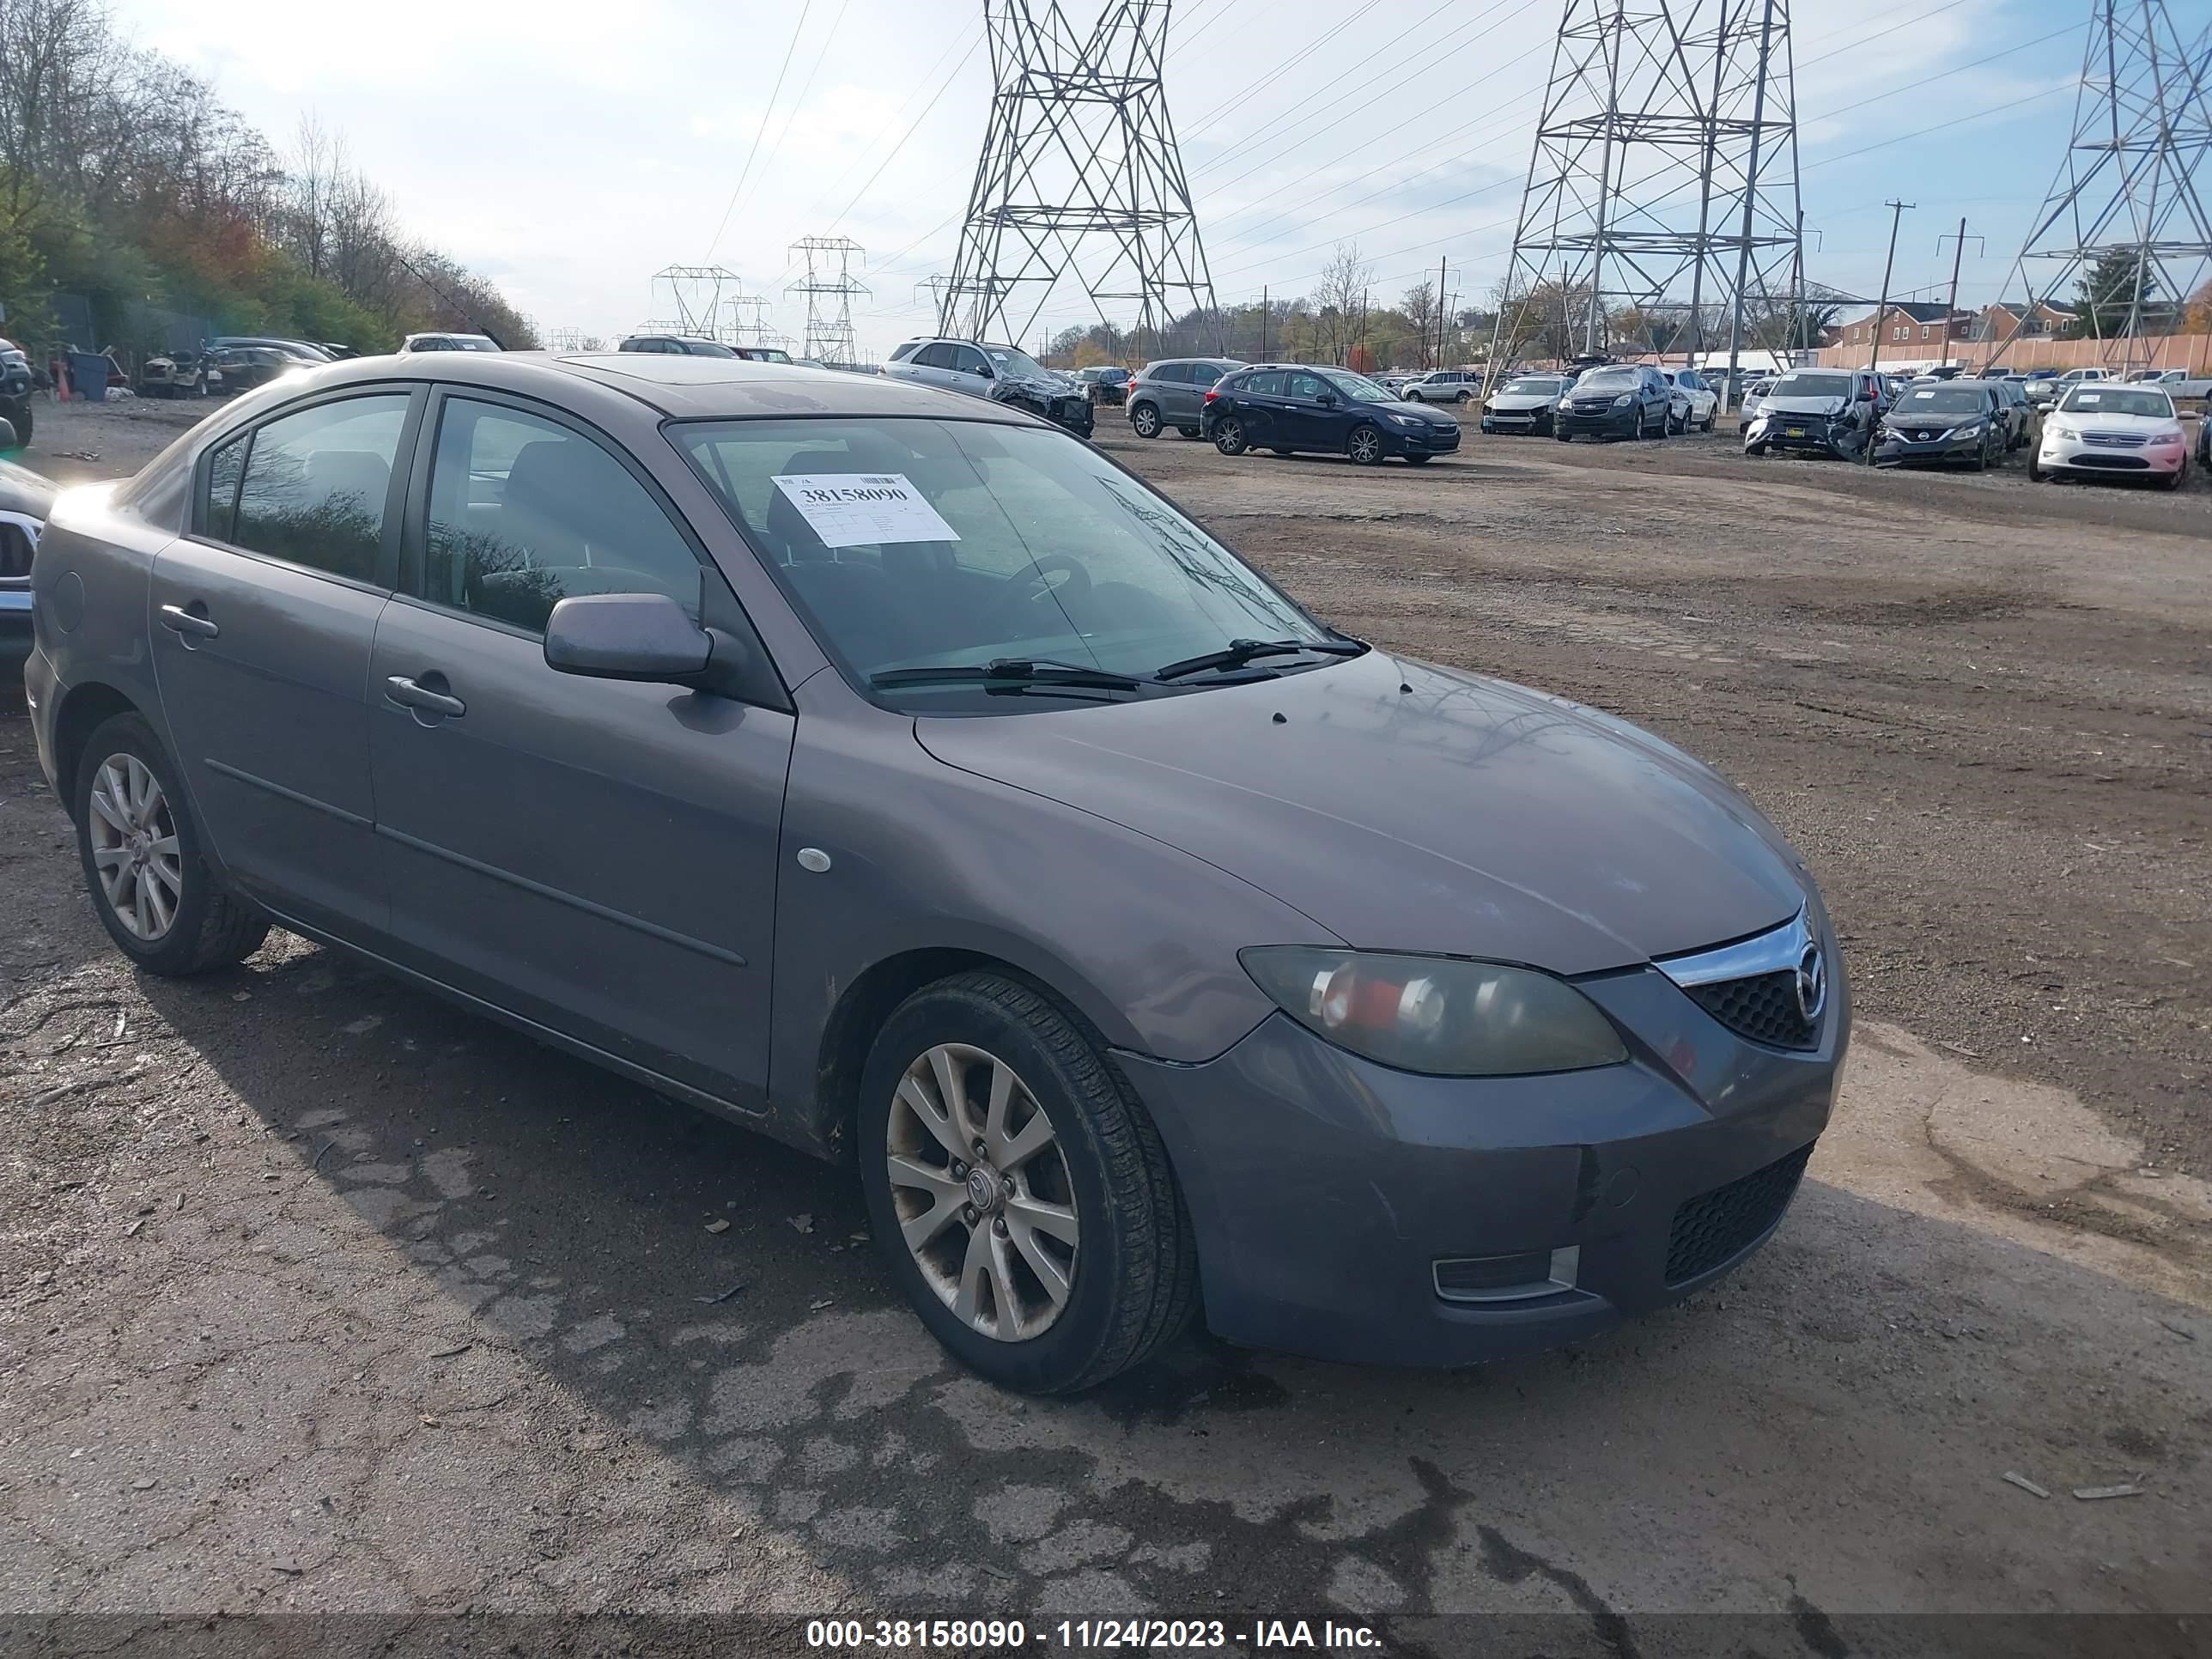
(1145,421)
(1228,435)
(1188,431)
(143,859)
(1364,446)
(1021,1194)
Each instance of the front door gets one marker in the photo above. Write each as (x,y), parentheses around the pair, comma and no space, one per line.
(264,612)
(595,855)
(1310,422)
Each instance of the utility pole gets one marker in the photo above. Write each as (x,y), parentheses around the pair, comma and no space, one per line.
(1442,265)
(1882,314)
(1263,322)
(1950,308)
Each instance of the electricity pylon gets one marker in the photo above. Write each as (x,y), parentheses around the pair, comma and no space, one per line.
(2124,223)
(699,294)
(1663,181)
(829,335)
(1080,175)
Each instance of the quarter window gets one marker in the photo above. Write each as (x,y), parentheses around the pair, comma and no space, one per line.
(316,484)
(524,513)
(219,512)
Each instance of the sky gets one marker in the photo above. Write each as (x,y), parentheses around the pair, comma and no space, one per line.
(568,151)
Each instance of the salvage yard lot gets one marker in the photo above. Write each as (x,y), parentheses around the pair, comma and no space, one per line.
(315,1293)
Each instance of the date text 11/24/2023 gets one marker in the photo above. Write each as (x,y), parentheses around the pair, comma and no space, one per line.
(986,1636)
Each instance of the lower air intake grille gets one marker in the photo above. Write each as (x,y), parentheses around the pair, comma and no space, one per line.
(1763,1007)
(1711,1228)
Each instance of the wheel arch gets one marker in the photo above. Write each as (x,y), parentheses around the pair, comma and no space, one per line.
(84,708)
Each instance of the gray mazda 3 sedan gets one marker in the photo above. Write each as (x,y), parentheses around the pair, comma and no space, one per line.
(894,773)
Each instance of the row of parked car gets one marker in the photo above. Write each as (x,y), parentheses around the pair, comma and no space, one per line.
(2093,425)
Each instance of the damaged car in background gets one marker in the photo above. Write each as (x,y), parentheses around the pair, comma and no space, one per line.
(27,500)
(1005,374)
(1829,411)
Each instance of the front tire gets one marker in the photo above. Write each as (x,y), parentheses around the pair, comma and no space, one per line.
(1145,421)
(2174,479)
(1190,431)
(1228,435)
(143,861)
(1364,446)
(1060,1255)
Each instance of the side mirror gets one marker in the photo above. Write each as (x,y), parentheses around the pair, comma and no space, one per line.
(1327,400)
(626,636)
(986,372)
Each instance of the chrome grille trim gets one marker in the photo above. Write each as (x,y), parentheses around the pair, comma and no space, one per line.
(1777,951)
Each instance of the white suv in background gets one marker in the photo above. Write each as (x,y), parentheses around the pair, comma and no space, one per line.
(1005,374)
(1444,385)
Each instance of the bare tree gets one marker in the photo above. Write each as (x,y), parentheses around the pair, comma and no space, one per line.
(1341,297)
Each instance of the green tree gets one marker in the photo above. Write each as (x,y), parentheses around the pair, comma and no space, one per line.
(2107,294)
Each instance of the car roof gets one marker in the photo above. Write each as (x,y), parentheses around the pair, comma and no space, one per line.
(681,388)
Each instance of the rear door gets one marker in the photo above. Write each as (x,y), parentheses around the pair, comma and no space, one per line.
(1263,408)
(595,856)
(1178,400)
(265,613)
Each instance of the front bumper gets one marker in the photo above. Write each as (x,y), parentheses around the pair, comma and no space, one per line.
(1815,432)
(1517,421)
(1433,441)
(1895,450)
(1609,423)
(1326,1190)
(2128,460)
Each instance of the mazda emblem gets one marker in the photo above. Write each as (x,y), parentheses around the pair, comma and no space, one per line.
(1812,984)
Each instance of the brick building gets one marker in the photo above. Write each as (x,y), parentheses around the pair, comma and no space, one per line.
(1998,322)
(1913,328)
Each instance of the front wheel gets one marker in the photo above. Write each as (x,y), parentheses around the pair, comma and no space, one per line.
(1754,450)
(2035,473)
(1145,421)
(1228,435)
(2173,479)
(1364,446)
(1021,1193)
(1190,431)
(143,864)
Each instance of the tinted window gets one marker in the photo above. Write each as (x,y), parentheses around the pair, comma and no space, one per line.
(1814,386)
(316,483)
(1172,374)
(1308,387)
(1689,382)
(1943,399)
(969,361)
(524,514)
(2117,400)
(903,353)
(937,355)
(1209,373)
(1268,383)
(220,509)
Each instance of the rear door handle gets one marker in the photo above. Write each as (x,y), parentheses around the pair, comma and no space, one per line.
(407,693)
(178,620)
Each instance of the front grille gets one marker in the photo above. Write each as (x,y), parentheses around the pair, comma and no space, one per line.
(2115,440)
(1714,1227)
(2116,463)
(1763,1007)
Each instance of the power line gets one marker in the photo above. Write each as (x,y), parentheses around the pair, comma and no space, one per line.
(767,110)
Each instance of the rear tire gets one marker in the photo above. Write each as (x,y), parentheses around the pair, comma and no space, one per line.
(1105,1274)
(1190,431)
(144,862)
(1228,435)
(1145,421)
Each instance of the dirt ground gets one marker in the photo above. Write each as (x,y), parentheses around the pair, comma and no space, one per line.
(316,1294)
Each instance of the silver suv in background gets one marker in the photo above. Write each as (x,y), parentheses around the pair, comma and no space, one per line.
(1005,374)
(1172,393)
(1444,385)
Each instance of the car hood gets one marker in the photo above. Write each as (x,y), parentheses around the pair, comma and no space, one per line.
(1419,411)
(1774,405)
(1403,806)
(1517,402)
(2116,423)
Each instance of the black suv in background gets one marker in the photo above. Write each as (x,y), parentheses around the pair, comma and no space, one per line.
(1614,400)
(1290,408)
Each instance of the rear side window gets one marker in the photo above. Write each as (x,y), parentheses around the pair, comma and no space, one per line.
(903,353)
(524,513)
(1266,384)
(317,483)
(219,510)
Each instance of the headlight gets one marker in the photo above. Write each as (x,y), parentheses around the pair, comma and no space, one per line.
(1624,400)
(2061,431)
(1972,429)
(1436,1014)
(2166,440)
(1566,403)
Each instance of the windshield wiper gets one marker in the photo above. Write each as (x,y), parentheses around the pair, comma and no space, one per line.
(1009,672)
(1240,652)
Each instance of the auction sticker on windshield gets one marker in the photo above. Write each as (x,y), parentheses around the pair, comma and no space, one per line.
(857,509)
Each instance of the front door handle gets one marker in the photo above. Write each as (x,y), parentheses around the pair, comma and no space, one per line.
(408,693)
(178,620)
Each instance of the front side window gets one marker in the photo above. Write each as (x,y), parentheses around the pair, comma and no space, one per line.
(914,543)
(1356,387)
(524,513)
(1307,386)
(316,483)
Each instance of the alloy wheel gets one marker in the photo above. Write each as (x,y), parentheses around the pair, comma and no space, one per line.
(134,847)
(1229,436)
(1147,420)
(982,1189)
(1366,446)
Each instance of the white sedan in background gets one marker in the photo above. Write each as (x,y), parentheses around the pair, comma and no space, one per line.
(2101,426)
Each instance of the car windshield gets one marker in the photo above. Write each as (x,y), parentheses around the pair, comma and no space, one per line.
(1607,380)
(912,545)
(2108,399)
(1943,398)
(1011,361)
(1359,387)
(1812,385)
(1532,388)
